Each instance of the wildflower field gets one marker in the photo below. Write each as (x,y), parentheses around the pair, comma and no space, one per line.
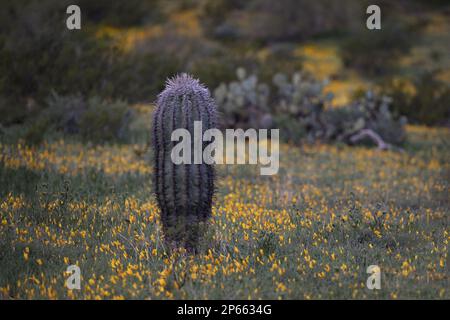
(309,232)
(364,126)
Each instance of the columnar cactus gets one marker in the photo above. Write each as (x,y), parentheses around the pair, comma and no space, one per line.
(184,192)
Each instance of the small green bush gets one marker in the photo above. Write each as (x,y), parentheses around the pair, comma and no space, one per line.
(376,52)
(290,130)
(215,70)
(104,120)
(425,100)
(94,119)
(38,57)
(282,20)
(371,112)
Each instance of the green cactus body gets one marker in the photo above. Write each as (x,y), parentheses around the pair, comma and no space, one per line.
(184,192)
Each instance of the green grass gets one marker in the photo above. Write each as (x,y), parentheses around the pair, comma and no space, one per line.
(309,232)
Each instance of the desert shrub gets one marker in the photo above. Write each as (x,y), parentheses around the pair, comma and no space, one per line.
(214,13)
(35,133)
(140,77)
(59,113)
(12,113)
(120,13)
(377,53)
(370,112)
(104,120)
(401,90)
(94,119)
(215,70)
(65,112)
(280,58)
(298,106)
(424,100)
(290,130)
(37,56)
(276,20)
(303,112)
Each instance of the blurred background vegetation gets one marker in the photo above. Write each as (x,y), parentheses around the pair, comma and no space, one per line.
(310,68)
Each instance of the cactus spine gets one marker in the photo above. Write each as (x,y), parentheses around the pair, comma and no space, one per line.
(184,192)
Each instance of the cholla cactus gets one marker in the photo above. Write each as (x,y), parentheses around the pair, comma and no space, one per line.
(245,102)
(184,192)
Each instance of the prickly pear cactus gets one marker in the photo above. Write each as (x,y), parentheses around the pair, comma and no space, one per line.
(184,192)
(245,102)
(301,96)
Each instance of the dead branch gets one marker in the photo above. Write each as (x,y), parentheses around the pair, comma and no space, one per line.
(375,137)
